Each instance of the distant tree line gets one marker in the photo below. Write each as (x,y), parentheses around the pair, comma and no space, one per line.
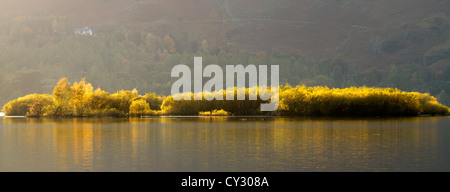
(80,100)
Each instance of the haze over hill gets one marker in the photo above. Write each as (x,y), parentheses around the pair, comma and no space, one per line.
(368,32)
(338,43)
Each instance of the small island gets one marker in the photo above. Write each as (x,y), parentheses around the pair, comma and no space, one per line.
(81,100)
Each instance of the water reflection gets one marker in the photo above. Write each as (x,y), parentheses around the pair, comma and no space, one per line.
(225,144)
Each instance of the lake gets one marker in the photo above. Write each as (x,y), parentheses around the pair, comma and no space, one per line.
(226,144)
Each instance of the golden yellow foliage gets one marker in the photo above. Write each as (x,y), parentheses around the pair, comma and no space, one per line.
(215,112)
(31,105)
(351,101)
(139,108)
(81,100)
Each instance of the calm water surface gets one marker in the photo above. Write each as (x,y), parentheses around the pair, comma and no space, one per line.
(226,144)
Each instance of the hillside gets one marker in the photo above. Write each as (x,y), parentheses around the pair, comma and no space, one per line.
(398,43)
(364,31)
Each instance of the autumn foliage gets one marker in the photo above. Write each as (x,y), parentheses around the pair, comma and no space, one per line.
(362,101)
(80,100)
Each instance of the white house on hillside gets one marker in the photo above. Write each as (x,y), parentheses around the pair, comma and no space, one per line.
(83,31)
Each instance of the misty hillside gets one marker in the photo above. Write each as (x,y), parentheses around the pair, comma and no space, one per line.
(336,43)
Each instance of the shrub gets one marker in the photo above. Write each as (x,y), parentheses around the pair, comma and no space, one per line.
(31,105)
(220,112)
(139,108)
(112,112)
(352,101)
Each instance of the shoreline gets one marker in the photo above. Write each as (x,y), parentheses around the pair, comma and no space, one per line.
(2,115)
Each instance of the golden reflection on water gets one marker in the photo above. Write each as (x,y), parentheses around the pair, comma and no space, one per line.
(224,144)
(75,141)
